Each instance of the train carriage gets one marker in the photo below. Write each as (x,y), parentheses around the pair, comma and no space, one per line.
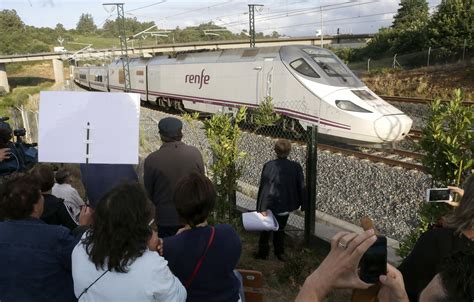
(308,85)
(98,78)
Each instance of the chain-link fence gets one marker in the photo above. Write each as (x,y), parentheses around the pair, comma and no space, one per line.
(427,57)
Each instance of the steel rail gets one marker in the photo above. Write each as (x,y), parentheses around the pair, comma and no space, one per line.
(374,158)
(414,100)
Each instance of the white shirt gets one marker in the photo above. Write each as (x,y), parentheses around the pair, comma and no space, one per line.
(148,279)
(68,193)
(72,199)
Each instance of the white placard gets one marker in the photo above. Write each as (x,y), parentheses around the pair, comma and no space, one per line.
(113,120)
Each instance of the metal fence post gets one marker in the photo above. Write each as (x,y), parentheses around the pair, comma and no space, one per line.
(311,179)
(464,49)
(429,52)
(368,65)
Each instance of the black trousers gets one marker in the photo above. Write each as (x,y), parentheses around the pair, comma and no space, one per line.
(168,230)
(278,238)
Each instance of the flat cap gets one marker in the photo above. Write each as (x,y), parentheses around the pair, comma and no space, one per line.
(170,127)
(61,175)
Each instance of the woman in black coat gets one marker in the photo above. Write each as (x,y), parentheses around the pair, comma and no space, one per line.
(281,191)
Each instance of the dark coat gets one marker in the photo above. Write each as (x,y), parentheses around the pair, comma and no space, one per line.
(55,212)
(35,259)
(99,179)
(215,281)
(162,171)
(425,260)
(281,186)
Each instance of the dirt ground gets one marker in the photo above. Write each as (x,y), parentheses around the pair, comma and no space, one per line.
(429,82)
(282,280)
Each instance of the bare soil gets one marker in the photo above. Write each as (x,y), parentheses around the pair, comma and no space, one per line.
(428,82)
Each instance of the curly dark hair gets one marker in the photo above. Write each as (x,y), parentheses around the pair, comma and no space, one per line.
(121,232)
(19,194)
(45,175)
(457,276)
(194,198)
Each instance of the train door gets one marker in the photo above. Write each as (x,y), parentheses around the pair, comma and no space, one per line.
(266,79)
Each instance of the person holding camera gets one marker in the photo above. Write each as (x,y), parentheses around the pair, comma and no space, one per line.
(35,257)
(340,270)
(14,157)
(436,245)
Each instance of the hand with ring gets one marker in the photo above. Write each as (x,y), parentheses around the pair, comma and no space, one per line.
(340,267)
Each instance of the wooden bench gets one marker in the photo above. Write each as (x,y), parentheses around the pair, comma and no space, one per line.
(253,283)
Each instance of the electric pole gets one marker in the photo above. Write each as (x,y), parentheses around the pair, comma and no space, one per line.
(123,43)
(252,23)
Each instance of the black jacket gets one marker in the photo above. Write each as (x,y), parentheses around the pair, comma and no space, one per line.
(163,170)
(425,260)
(281,186)
(55,212)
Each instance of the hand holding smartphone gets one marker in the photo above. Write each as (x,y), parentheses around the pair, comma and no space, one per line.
(439,195)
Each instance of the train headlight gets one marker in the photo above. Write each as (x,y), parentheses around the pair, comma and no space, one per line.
(349,106)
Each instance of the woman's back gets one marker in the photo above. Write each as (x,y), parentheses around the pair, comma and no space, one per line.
(215,280)
(148,279)
(426,258)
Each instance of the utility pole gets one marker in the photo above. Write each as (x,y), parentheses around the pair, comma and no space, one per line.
(322,32)
(252,23)
(123,43)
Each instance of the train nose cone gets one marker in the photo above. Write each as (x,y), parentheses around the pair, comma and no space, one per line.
(392,127)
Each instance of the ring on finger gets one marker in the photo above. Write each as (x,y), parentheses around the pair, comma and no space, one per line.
(342,245)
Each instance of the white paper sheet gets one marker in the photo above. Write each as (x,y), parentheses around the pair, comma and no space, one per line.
(113,127)
(254,221)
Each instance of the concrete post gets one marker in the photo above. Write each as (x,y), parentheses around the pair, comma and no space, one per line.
(58,68)
(4,78)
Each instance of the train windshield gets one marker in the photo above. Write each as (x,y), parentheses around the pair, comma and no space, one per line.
(328,63)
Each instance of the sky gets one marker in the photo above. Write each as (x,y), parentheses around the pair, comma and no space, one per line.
(289,17)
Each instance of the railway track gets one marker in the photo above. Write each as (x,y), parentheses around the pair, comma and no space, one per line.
(394,158)
(391,157)
(413,100)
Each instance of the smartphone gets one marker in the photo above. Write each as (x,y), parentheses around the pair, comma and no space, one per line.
(438,195)
(374,262)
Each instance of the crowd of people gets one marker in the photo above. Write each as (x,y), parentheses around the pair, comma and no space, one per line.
(153,242)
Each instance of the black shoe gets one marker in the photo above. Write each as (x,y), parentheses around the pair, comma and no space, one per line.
(260,256)
(281,257)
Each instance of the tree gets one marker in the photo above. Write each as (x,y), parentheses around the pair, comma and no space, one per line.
(409,26)
(223,133)
(59,29)
(86,24)
(451,24)
(10,21)
(448,140)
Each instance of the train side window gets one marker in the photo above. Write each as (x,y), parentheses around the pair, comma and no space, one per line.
(304,68)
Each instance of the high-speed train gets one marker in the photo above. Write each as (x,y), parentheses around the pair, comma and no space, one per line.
(308,85)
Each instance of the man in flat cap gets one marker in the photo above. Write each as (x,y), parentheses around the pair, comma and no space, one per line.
(164,168)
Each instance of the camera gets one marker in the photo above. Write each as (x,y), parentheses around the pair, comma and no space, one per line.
(22,155)
(19,132)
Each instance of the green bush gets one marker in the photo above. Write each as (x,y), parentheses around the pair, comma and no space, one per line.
(448,144)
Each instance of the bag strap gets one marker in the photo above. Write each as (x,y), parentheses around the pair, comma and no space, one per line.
(87,288)
(198,265)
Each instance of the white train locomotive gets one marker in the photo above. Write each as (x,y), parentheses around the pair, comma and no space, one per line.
(309,85)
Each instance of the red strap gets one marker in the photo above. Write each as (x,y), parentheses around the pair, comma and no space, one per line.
(198,265)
